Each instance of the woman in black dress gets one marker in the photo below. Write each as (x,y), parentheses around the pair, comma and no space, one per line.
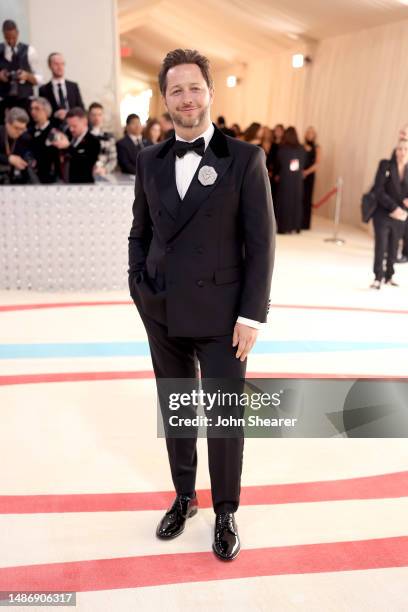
(313,158)
(391,191)
(290,161)
(277,136)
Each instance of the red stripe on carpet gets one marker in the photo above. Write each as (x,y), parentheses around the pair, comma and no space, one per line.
(55,377)
(367,487)
(52,377)
(154,570)
(41,306)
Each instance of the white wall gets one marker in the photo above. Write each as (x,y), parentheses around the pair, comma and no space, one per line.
(85,32)
(17,11)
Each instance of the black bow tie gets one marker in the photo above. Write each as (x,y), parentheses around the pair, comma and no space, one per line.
(181,147)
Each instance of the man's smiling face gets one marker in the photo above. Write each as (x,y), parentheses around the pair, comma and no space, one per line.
(187,96)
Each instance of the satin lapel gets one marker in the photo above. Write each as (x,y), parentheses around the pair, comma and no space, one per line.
(166,184)
(198,193)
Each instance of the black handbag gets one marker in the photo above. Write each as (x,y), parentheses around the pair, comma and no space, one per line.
(368,205)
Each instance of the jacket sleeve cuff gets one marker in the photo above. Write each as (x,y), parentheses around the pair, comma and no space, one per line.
(250,322)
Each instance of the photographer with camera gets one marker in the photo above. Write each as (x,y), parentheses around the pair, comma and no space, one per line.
(17,71)
(16,158)
(107,159)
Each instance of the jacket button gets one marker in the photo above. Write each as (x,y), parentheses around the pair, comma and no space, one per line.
(200,283)
(169,249)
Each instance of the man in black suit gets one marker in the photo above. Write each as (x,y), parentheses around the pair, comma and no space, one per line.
(129,147)
(81,154)
(47,158)
(61,93)
(201,251)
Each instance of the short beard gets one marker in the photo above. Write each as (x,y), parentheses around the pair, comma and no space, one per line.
(189,122)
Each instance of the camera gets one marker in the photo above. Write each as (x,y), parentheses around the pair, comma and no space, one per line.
(13,80)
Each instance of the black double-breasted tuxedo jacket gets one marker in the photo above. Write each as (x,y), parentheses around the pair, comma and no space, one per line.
(389,189)
(198,263)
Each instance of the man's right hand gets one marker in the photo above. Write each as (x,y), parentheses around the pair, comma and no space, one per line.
(18,162)
(4,75)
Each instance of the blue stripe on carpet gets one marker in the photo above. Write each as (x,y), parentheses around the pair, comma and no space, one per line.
(141,349)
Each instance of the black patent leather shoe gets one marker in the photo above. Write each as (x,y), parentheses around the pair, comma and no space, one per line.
(226,543)
(173,522)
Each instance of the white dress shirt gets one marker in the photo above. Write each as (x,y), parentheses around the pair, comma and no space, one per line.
(55,82)
(32,59)
(137,140)
(186,168)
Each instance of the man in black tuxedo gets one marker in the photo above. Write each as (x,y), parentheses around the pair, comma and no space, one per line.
(129,147)
(61,93)
(47,157)
(201,251)
(81,153)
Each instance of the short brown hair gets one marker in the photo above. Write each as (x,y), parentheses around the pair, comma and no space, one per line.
(184,56)
(77,111)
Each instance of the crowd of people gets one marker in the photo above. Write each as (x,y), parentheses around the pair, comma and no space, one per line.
(51,137)
(291,166)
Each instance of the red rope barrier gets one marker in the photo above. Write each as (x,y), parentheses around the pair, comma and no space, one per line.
(324,199)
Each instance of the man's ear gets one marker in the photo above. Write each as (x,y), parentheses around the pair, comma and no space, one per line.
(164,101)
(212,92)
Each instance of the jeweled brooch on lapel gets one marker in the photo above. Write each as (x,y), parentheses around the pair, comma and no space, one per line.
(207,175)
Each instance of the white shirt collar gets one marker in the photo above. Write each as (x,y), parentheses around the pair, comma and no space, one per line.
(76,142)
(207,135)
(43,127)
(55,81)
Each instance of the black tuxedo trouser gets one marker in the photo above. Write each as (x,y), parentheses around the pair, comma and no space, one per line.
(387,233)
(405,240)
(174,357)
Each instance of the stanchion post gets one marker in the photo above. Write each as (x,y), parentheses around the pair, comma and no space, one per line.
(337,211)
